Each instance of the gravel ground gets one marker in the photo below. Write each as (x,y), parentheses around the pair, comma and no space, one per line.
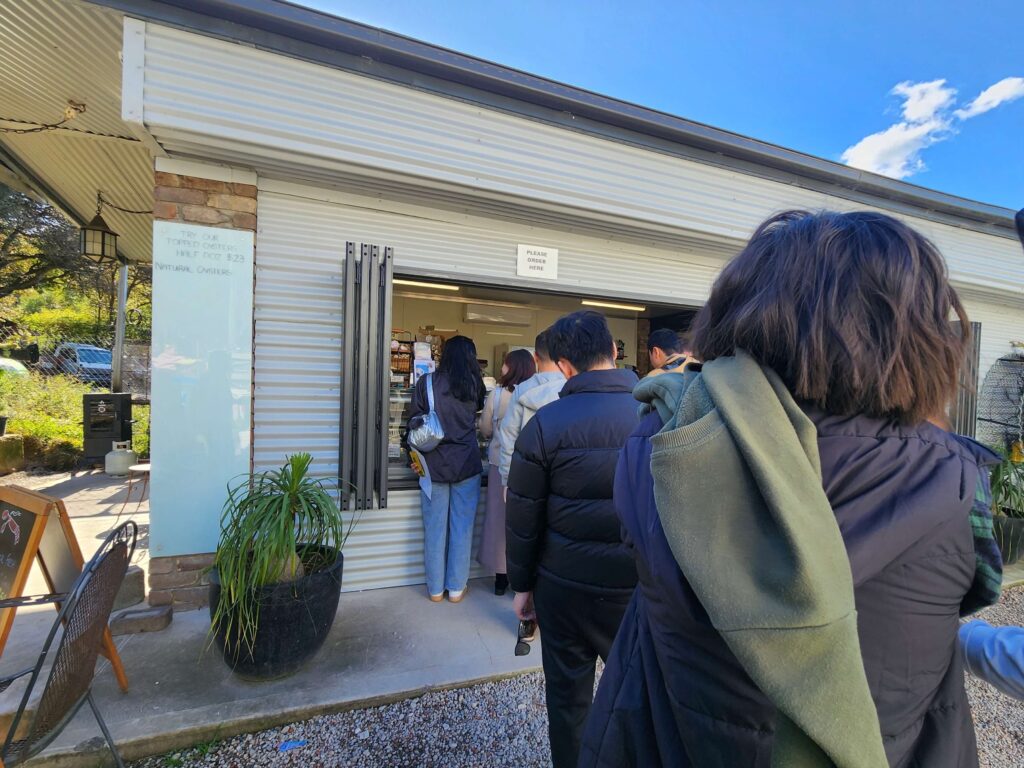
(505,724)
(495,724)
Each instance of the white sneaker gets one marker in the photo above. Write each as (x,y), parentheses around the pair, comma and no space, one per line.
(456,597)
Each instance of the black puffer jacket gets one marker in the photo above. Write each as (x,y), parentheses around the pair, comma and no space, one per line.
(560,518)
(674,695)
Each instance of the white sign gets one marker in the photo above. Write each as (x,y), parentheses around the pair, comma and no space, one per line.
(538,262)
(202,380)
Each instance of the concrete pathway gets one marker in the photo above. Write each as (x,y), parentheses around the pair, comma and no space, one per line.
(94,501)
(385,645)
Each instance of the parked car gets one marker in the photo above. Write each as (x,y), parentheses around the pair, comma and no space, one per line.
(89,364)
(10,367)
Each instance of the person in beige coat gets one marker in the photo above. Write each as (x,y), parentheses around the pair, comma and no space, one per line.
(518,366)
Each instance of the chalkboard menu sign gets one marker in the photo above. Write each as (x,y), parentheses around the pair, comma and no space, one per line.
(34,526)
(16,529)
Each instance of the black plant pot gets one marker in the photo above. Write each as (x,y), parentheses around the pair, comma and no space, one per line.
(3,426)
(294,620)
(1009,532)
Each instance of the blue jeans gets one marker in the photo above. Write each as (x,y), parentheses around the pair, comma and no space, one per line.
(448,517)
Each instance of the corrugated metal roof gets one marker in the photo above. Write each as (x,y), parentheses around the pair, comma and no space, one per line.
(58,50)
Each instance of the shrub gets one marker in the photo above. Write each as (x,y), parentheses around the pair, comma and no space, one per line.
(47,411)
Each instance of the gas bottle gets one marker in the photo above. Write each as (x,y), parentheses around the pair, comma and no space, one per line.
(120,459)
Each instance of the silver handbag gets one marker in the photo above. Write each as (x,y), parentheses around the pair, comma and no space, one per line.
(429,434)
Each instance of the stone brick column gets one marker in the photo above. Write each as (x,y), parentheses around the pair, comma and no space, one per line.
(204,201)
(181,581)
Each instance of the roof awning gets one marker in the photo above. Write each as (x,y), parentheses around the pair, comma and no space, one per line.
(52,56)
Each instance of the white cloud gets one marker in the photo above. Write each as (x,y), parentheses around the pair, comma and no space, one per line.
(928,118)
(896,151)
(1006,90)
(923,100)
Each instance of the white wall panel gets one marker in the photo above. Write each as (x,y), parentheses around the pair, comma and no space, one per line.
(200,89)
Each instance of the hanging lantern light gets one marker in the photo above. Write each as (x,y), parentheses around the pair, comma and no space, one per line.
(99,241)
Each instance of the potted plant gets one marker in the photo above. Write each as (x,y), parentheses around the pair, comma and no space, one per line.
(276,578)
(1008,505)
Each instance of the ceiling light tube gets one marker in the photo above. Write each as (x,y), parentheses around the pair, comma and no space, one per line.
(610,305)
(420,284)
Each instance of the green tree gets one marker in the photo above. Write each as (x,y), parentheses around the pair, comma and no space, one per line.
(38,246)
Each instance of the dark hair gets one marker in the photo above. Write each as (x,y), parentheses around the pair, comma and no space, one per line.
(582,338)
(852,310)
(666,340)
(540,345)
(460,367)
(520,368)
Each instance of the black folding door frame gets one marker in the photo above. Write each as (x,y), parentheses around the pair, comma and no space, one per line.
(365,375)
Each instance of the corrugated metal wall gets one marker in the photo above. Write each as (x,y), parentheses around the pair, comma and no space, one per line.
(300,245)
(221,98)
(432,241)
(1000,324)
(300,248)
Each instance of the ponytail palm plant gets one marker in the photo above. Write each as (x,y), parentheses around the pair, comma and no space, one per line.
(277,526)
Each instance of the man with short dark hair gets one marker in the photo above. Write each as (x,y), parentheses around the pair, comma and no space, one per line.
(667,351)
(566,559)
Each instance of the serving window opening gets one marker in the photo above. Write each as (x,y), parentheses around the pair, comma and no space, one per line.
(425,312)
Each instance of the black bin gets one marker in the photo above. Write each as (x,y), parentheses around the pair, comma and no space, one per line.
(106,418)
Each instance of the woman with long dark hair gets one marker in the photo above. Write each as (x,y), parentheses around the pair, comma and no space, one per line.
(517,367)
(454,467)
(806,539)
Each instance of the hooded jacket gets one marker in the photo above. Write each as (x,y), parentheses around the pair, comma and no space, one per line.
(560,520)
(528,397)
(673,694)
(674,363)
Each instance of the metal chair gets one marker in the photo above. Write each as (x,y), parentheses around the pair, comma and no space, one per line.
(84,614)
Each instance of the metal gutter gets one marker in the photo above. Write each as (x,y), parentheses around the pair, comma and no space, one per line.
(319,37)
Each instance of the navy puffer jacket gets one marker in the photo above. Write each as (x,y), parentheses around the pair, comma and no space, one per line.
(560,517)
(674,695)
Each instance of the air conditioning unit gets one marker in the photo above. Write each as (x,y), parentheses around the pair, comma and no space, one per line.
(485,313)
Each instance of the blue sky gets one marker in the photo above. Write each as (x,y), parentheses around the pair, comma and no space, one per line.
(890,86)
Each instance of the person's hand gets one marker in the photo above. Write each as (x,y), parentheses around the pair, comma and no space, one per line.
(523,605)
